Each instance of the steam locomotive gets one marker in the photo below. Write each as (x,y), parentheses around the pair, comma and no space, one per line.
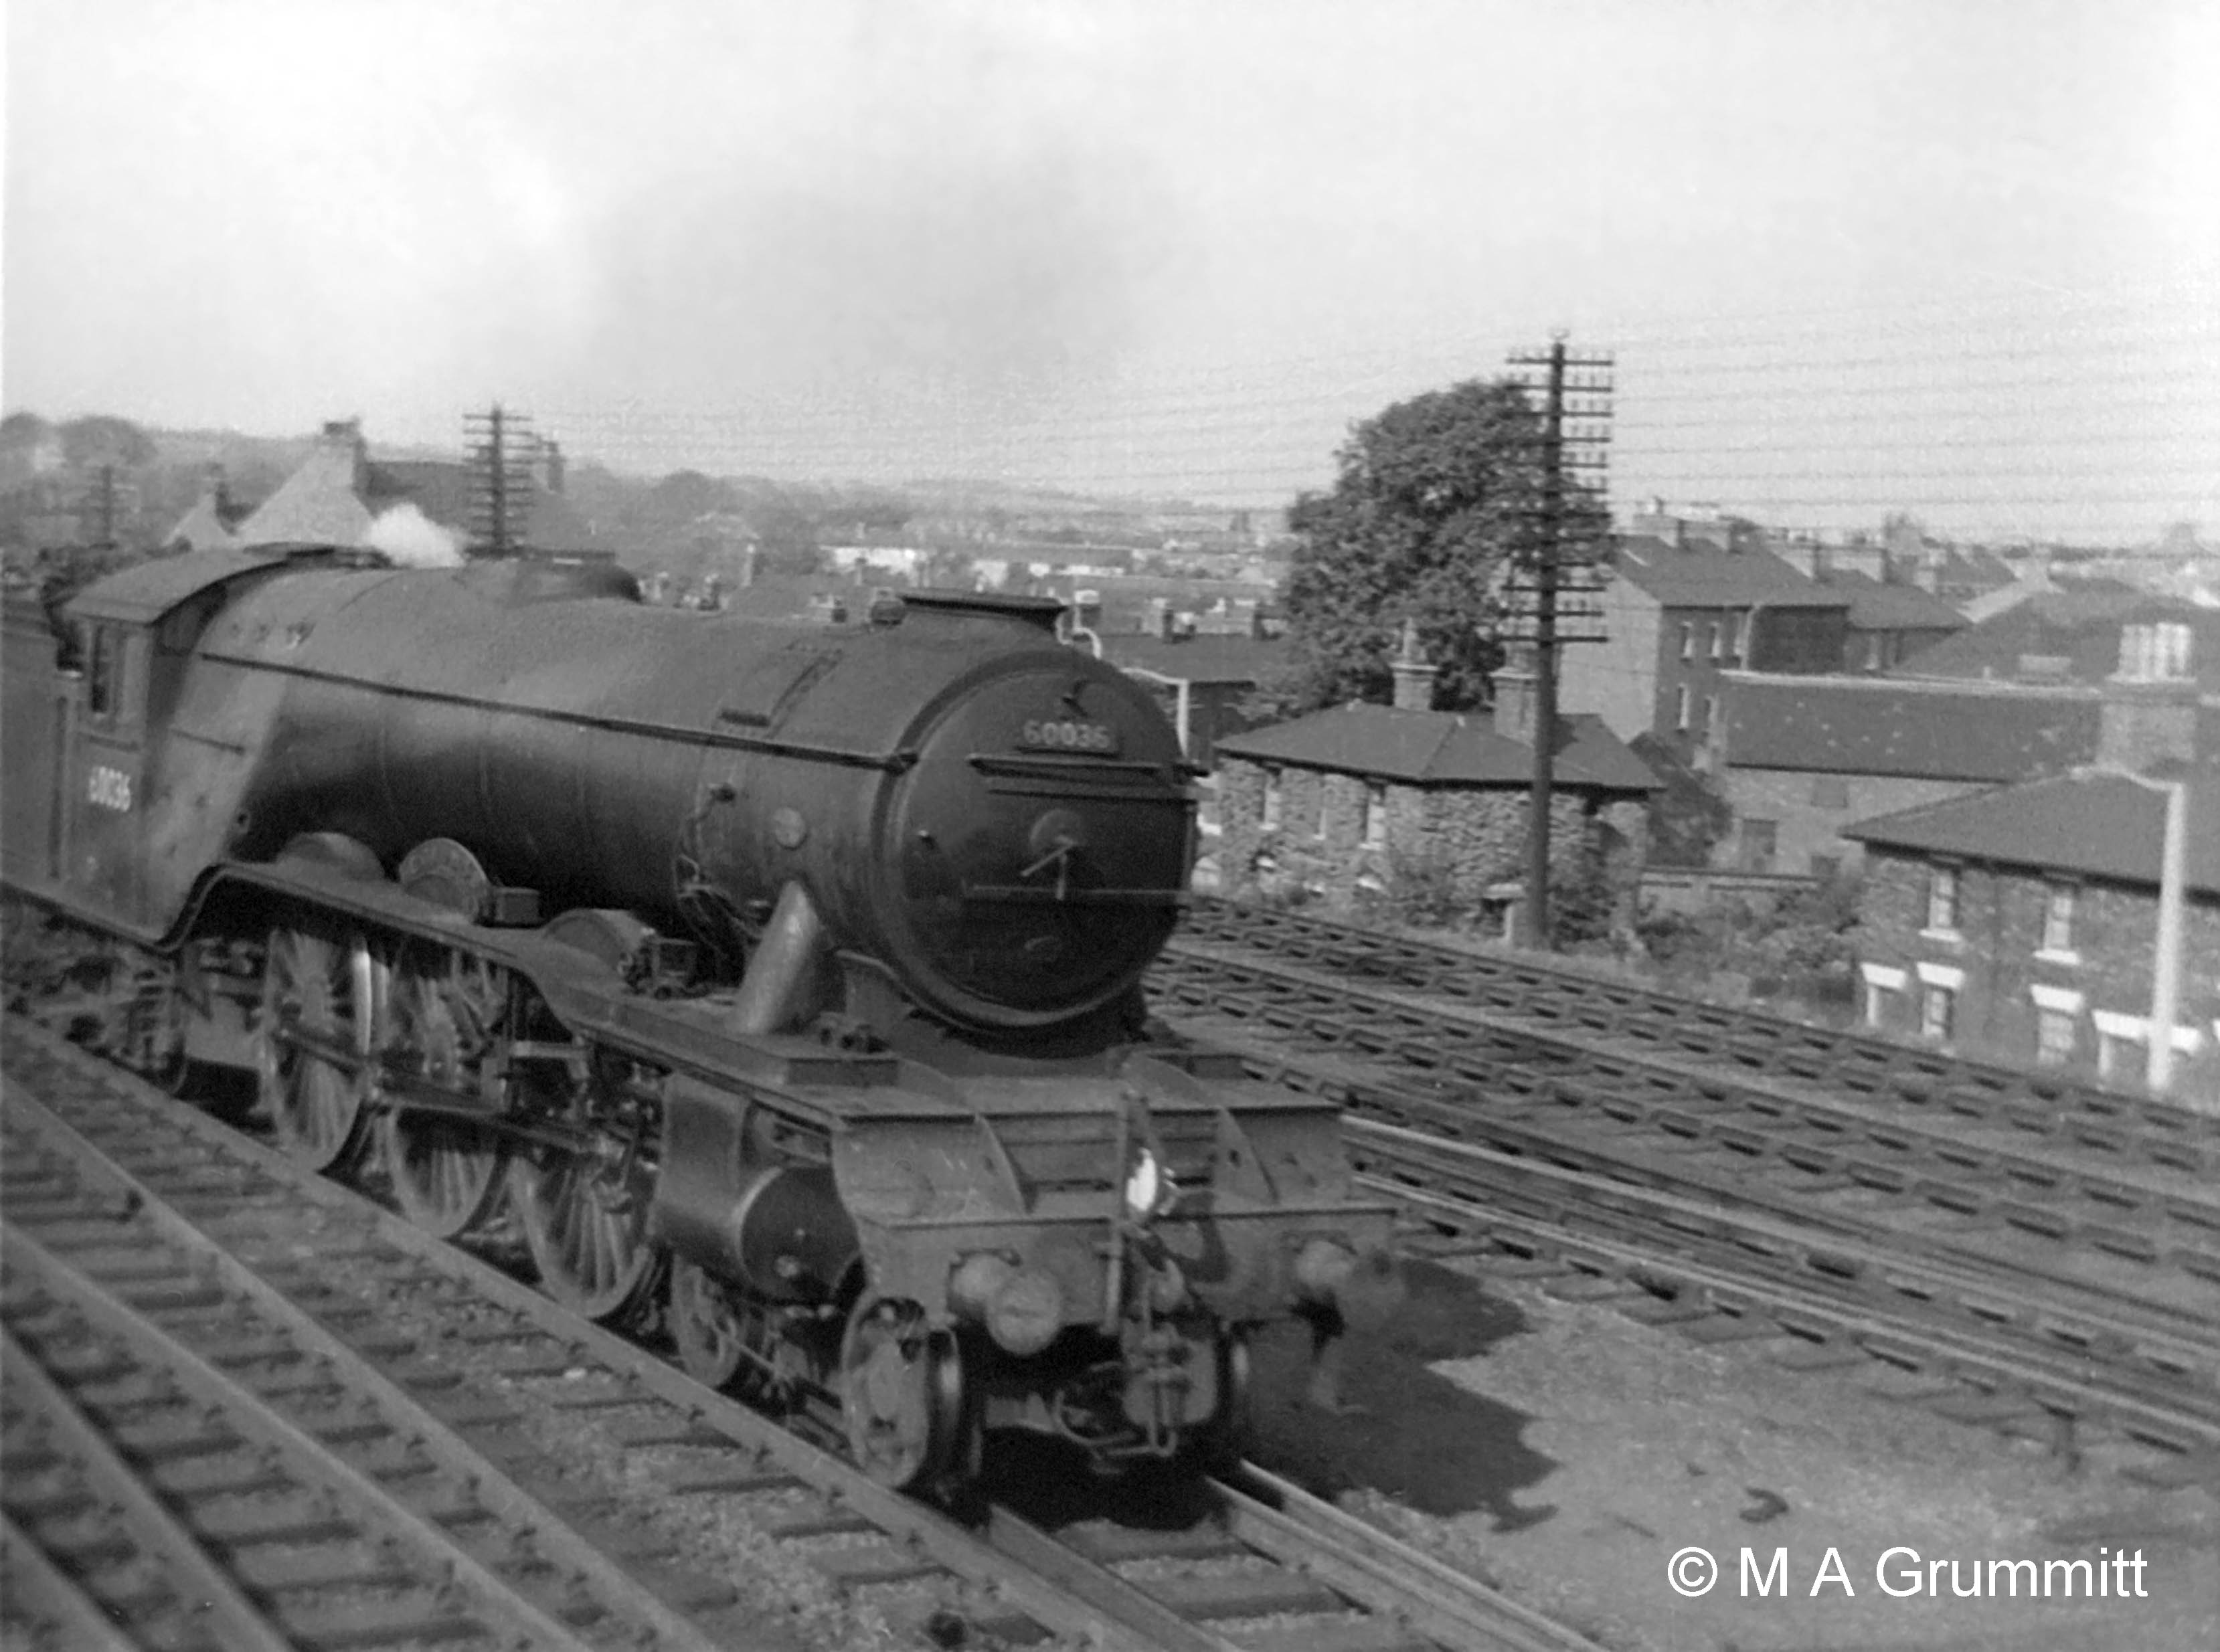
(778,979)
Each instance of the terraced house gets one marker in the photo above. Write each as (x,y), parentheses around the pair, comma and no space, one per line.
(2071,921)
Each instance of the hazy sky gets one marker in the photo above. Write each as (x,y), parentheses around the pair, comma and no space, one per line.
(1958,256)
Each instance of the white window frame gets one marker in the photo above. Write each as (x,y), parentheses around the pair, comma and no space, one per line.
(1881,982)
(2060,904)
(1375,815)
(1940,1027)
(2057,1036)
(1680,715)
(1687,639)
(1946,894)
(1269,816)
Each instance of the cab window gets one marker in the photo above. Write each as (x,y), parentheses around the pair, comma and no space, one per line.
(104,667)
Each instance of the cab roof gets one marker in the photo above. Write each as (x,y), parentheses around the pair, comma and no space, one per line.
(143,593)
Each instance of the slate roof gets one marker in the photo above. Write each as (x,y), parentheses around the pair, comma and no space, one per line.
(1702,575)
(317,504)
(1440,748)
(1199,659)
(1875,606)
(2094,823)
(2080,627)
(1929,731)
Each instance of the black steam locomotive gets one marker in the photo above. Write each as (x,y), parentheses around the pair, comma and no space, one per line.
(781,978)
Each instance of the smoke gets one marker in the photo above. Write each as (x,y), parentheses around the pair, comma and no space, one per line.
(413,540)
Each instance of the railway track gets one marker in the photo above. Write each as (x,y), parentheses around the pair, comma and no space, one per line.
(187,1297)
(2088,1293)
(1541,998)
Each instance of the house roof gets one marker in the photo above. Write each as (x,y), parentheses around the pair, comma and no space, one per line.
(1701,575)
(207,526)
(2081,627)
(1875,606)
(2093,823)
(1199,658)
(1887,726)
(1441,748)
(318,503)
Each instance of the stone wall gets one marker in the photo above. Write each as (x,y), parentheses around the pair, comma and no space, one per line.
(1470,837)
(2105,976)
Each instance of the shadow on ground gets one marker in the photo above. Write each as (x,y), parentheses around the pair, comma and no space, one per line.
(1415,1435)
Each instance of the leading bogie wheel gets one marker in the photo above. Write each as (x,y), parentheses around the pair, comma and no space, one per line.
(901,1396)
(318,1008)
(445,1013)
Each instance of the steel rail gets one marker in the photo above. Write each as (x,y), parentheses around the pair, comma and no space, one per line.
(191,1575)
(768,1449)
(309,1459)
(1383,1570)
(1688,1102)
(1852,1059)
(1517,1140)
(43,1604)
(494,1490)
(1061,1588)
(1724,1267)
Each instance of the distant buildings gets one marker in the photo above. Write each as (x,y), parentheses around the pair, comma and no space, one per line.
(1675,619)
(2023,923)
(337,494)
(1380,800)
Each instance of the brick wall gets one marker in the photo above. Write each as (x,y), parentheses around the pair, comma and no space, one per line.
(1806,823)
(1999,950)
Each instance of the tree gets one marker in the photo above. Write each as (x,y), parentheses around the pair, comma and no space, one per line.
(1434,497)
(102,439)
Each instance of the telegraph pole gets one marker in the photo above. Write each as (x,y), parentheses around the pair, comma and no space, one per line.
(1576,387)
(500,445)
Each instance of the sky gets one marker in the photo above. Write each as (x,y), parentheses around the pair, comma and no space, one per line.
(1957,256)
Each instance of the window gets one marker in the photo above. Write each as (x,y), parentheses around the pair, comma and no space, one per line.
(1680,711)
(1938,1007)
(1830,792)
(2053,1037)
(1719,633)
(1687,641)
(1942,900)
(1873,651)
(2058,919)
(1735,623)
(1759,840)
(1270,820)
(104,660)
(2155,652)
(1882,984)
(1375,817)
(1712,729)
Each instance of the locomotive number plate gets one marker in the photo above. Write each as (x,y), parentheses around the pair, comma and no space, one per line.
(1066,734)
(108,789)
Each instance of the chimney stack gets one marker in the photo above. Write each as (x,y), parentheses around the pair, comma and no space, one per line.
(1414,677)
(1514,704)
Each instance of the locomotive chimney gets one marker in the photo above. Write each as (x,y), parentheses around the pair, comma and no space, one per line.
(1414,677)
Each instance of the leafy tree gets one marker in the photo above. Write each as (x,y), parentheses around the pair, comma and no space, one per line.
(1435,496)
(101,438)
(23,429)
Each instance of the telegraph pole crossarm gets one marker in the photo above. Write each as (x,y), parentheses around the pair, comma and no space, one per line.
(1575,387)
